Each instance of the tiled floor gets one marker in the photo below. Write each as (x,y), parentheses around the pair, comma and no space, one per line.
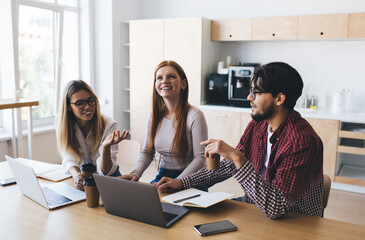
(342,206)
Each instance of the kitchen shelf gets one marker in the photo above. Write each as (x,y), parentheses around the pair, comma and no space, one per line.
(351,154)
(351,150)
(350,174)
(355,134)
(125,102)
(352,171)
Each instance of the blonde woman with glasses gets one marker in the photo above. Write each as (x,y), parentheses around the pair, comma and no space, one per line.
(84,136)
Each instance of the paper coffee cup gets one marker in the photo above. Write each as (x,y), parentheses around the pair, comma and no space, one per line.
(92,193)
(213,162)
(92,196)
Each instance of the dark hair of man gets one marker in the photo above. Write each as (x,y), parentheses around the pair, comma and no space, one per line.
(278,77)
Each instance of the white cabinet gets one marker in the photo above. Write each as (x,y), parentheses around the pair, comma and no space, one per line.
(326,26)
(327,130)
(183,43)
(155,40)
(224,125)
(275,28)
(146,51)
(357,25)
(231,29)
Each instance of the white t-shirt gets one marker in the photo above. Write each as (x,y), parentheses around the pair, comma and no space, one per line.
(85,143)
(268,150)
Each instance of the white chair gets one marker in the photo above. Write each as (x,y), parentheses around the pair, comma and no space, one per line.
(128,151)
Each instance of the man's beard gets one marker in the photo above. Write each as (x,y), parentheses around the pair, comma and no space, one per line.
(258,117)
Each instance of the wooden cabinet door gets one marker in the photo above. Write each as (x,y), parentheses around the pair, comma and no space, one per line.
(323,26)
(327,130)
(146,51)
(231,29)
(274,28)
(224,125)
(183,44)
(245,120)
(357,25)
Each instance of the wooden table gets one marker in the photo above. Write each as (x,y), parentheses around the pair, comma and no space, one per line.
(21,218)
(13,104)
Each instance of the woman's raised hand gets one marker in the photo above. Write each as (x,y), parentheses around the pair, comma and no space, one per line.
(115,138)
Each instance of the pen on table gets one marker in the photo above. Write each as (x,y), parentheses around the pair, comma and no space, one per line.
(187,198)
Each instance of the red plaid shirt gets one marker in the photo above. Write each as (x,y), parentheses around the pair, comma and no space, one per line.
(294,177)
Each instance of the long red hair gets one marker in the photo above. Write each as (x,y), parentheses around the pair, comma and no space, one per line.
(180,142)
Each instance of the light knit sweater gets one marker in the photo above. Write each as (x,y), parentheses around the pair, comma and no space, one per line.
(196,130)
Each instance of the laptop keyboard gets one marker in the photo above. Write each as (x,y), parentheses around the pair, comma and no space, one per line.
(53,198)
(169,216)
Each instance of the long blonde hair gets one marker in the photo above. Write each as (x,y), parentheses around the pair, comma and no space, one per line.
(66,135)
(180,142)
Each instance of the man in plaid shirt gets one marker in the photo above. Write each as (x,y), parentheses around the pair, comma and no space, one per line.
(279,159)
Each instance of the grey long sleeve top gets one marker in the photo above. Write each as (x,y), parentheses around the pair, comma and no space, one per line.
(197,131)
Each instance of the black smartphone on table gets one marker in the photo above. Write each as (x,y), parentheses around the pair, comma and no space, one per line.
(215,227)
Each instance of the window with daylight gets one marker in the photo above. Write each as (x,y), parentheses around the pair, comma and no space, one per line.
(41,50)
(47,52)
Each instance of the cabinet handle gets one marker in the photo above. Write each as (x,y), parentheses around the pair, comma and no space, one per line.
(322,33)
(273,34)
(230,35)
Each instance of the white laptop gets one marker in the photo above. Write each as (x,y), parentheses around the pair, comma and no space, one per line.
(51,196)
(137,201)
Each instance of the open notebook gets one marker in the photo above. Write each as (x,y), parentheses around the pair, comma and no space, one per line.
(48,171)
(196,198)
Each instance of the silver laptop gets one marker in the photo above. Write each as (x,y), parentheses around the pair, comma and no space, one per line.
(137,201)
(52,196)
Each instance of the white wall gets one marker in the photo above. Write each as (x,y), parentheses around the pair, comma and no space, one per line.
(216,9)
(123,11)
(326,66)
(103,50)
(44,147)
(107,47)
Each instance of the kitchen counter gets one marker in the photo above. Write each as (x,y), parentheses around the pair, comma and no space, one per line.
(354,117)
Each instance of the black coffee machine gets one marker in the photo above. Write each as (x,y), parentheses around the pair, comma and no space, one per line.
(217,89)
(239,84)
